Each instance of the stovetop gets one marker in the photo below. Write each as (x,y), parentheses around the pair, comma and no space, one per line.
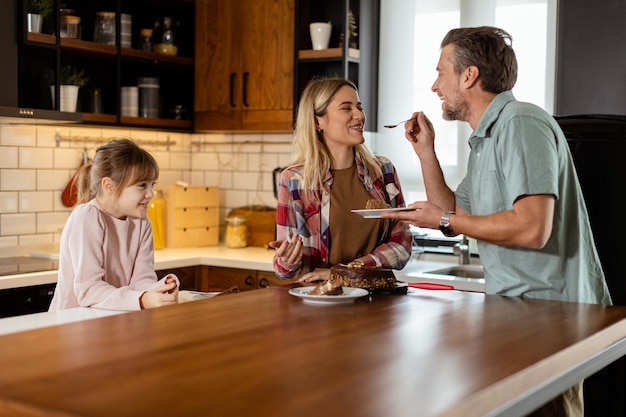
(23,264)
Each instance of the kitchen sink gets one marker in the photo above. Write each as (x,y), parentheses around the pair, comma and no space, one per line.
(463,271)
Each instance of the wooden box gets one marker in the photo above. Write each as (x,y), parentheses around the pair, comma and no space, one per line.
(191,216)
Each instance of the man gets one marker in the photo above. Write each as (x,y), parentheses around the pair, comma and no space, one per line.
(520,197)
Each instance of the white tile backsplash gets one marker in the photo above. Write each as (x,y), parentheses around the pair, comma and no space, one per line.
(8,157)
(18,224)
(35,158)
(18,179)
(18,135)
(35,201)
(52,222)
(8,201)
(53,179)
(31,211)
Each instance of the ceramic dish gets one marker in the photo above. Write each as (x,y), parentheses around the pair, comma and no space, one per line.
(375,213)
(348,296)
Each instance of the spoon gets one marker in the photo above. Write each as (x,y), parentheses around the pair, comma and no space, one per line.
(397,124)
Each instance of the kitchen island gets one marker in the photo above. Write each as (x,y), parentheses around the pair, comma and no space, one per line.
(267,353)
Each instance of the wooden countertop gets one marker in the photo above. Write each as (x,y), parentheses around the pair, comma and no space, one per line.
(423,354)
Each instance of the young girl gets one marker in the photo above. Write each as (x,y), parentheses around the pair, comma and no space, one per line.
(333,172)
(107,252)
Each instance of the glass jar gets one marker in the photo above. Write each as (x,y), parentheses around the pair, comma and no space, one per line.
(236,232)
(69,26)
(104,28)
(156,214)
(146,40)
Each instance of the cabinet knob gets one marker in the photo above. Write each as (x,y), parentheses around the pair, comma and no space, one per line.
(263,283)
(249,281)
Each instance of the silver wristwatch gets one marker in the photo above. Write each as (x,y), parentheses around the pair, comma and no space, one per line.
(444,224)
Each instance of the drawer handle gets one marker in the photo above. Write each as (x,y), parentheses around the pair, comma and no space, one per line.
(249,281)
(232,86)
(246,75)
(263,283)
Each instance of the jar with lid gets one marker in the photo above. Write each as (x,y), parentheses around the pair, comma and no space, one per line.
(145,44)
(236,232)
(69,26)
(104,28)
(156,215)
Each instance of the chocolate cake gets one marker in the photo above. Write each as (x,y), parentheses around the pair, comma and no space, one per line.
(357,275)
(373,204)
(327,287)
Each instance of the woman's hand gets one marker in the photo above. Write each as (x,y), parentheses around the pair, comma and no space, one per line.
(319,274)
(288,251)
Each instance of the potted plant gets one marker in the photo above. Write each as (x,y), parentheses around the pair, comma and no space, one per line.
(71,79)
(37,10)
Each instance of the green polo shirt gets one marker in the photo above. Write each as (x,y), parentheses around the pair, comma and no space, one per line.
(519,149)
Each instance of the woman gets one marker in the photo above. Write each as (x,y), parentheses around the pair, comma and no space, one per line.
(332,173)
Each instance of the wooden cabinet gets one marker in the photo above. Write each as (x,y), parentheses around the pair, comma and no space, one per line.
(244,65)
(110,67)
(216,278)
(352,52)
(190,277)
(191,216)
(266,279)
(220,278)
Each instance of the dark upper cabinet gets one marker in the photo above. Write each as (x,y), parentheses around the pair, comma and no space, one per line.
(39,59)
(355,59)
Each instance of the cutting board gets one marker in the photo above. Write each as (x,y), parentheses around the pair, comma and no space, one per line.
(260,221)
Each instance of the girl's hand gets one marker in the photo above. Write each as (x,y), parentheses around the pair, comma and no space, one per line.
(164,295)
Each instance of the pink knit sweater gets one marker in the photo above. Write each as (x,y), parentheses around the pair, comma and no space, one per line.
(104,262)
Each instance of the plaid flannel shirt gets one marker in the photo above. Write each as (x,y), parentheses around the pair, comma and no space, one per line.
(310,220)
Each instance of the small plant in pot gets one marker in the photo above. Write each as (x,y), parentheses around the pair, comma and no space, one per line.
(71,79)
(37,11)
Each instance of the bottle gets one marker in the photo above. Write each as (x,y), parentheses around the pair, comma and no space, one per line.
(236,232)
(156,214)
(164,38)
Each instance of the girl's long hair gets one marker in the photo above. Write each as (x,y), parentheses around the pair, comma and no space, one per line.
(122,161)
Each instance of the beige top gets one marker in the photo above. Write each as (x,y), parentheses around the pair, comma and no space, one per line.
(351,236)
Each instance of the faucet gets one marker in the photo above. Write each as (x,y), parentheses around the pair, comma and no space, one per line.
(461,248)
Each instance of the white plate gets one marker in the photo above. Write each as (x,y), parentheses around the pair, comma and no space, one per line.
(349,295)
(375,213)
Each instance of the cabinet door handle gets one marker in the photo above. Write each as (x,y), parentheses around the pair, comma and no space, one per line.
(249,281)
(246,75)
(263,283)
(232,89)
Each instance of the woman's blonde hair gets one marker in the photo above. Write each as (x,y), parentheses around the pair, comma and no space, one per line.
(122,161)
(309,149)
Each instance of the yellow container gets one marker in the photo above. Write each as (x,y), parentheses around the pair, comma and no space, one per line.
(156,215)
(236,232)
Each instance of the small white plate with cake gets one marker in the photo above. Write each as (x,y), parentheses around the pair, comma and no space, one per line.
(347,295)
(376,213)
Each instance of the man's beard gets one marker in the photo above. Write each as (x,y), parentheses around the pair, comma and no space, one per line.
(459,112)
